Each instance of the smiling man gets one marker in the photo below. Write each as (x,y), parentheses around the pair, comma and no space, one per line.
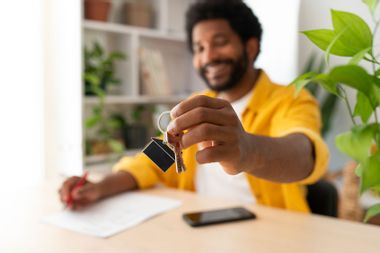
(245,138)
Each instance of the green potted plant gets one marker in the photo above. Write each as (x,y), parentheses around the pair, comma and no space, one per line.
(99,74)
(351,37)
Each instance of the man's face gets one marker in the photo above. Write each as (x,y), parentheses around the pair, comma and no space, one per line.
(219,55)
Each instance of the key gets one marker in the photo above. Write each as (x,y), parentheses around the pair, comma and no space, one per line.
(180,166)
(173,143)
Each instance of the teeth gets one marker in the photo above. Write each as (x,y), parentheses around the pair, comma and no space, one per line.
(215,70)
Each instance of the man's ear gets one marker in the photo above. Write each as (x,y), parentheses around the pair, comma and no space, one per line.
(252,48)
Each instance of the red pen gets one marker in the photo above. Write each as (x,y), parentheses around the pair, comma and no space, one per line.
(78,185)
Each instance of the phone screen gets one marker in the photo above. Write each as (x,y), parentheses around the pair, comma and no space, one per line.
(218,216)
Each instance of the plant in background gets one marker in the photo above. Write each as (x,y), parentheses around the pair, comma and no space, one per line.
(99,74)
(108,131)
(99,69)
(328,101)
(351,37)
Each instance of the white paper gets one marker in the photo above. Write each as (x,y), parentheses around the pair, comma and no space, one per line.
(112,215)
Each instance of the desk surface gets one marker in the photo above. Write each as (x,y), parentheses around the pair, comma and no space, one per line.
(274,231)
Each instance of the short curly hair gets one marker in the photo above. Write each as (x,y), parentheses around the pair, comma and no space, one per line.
(240,17)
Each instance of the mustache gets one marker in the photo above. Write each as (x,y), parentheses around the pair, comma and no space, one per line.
(203,70)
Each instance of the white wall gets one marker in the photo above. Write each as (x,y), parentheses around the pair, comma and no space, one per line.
(63,97)
(21,102)
(315,15)
(279,47)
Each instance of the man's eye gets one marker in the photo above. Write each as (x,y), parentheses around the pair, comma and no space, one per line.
(197,49)
(221,42)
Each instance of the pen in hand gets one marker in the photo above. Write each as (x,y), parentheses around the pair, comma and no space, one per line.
(78,185)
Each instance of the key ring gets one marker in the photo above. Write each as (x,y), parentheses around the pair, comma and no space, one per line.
(159,121)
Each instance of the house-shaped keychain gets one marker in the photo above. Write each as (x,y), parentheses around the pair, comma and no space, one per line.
(159,153)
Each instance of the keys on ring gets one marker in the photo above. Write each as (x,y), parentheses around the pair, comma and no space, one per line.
(164,153)
(173,143)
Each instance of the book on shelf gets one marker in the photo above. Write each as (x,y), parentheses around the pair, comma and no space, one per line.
(153,75)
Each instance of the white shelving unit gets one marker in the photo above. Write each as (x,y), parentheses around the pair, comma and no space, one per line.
(167,36)
(132,30)
(132,100)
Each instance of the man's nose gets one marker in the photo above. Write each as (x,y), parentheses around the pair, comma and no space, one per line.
(209,56)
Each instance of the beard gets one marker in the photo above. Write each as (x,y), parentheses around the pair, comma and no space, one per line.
(238,69)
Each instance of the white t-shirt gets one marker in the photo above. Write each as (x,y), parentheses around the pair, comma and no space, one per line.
(212,181)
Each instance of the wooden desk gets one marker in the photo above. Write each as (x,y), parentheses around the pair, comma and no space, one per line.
(274,230)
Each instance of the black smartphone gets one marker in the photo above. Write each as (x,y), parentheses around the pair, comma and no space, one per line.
(204,218)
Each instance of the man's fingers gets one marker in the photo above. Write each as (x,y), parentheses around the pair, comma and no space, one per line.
(81,192)
(212,154)
(207,132)
(86,192)
(67,186)
(79,204)
(198,101)
(201,115)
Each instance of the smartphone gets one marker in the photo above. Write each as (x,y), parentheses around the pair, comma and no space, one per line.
(204,218)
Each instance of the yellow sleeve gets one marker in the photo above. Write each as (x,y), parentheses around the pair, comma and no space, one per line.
(145,172)
(301,114)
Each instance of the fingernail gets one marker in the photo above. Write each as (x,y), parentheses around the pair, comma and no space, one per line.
(173,112)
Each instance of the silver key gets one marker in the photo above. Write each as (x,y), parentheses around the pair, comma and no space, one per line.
(174,144)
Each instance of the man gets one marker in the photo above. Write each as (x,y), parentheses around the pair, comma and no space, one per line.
(246,138)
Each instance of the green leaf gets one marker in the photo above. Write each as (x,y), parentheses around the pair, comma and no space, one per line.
(376,80)
(357,142)
(322,39)
(327,83)
(332,43)
(302,80)
(370,172)
(92,79)
(354,76)
(375,95)
(358,35)
(372,212)
(98,50)
(359,170)
(304,76)
(377,139)
(116,56)
(377,72)
(372,4)
(300,84)
(99,92)
(363,107)
(116,146)
(359,56)
(92,121)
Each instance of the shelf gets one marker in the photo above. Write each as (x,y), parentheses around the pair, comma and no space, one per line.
(128,30)
(137,100)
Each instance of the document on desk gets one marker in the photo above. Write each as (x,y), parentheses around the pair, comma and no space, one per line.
(112,215)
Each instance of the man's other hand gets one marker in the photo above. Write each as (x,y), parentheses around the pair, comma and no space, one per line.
(82,196)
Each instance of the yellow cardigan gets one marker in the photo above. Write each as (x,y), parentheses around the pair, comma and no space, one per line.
(274,111)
